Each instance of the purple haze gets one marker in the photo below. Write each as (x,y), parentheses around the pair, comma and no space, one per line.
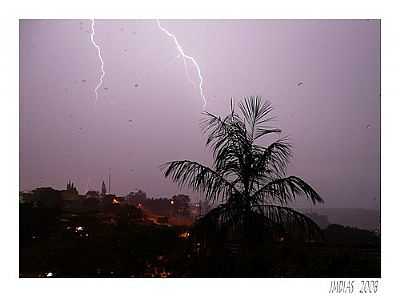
(322,77)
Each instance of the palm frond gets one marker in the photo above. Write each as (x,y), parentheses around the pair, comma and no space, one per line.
(262,131)
(199,178)
(262,218)
(256,114)
(289,219)
(275,157)
(285,190)
(223,131)
(228,140)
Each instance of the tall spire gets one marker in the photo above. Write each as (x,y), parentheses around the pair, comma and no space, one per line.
(103,189)
(109,180)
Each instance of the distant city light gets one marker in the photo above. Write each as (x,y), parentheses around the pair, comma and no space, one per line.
(49,274)
(184,235)
(164,274)
(172,202)
(78,229)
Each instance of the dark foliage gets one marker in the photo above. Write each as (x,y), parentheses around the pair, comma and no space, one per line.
(51,242)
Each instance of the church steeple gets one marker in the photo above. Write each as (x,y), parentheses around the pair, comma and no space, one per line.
(71,187)
(103,189)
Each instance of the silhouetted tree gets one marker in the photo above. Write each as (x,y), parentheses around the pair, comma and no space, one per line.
(181,205)
(248,179)
(47,197)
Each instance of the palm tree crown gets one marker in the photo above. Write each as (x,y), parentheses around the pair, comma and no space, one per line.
(248,180)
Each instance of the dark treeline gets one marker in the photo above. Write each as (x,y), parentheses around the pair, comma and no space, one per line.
(122,244)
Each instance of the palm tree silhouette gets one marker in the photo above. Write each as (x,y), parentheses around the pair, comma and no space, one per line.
(247,180)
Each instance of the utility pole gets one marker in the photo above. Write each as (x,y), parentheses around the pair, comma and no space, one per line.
(109,180)
(200,207)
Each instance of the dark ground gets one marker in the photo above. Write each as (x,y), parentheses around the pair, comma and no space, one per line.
(119,243)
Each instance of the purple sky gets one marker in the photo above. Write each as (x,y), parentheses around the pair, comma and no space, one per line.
(332,118)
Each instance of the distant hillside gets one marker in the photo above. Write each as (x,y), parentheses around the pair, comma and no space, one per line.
(367,219)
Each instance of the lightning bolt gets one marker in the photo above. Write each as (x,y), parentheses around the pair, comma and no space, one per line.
(186,57)
(101,60)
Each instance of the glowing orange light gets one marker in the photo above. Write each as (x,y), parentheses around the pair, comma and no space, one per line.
(184,235)
(115,201)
